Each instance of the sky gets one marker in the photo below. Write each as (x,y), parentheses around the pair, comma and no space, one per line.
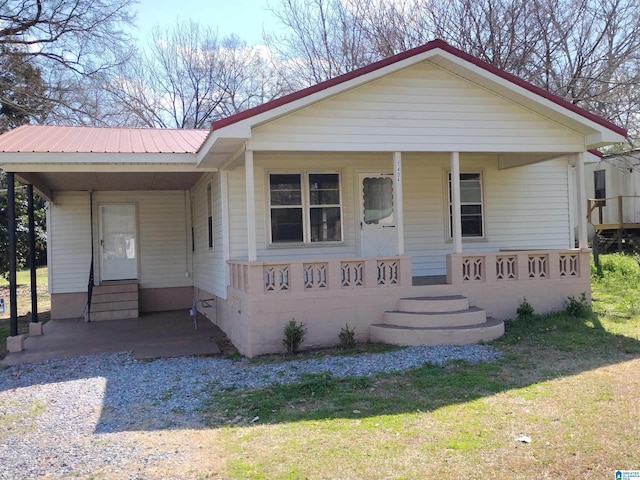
(245,18)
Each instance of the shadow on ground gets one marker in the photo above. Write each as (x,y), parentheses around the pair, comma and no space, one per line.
(185,393)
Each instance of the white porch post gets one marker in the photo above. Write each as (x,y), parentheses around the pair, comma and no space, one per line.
(581,202)
(397,173)
(455,200)
(224,206)
(251,206)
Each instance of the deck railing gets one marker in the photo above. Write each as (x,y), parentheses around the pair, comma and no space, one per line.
(319,275)
(508,266)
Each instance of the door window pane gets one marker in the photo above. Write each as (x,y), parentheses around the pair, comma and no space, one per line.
(378,200)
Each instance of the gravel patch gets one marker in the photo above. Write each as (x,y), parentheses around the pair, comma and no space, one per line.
(62,418)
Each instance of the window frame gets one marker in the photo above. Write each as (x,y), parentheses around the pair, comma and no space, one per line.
(209,202)
(449,206)
(603,181)
(305,205)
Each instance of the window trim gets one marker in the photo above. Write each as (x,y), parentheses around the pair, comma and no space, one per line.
(306,207)
(449,206)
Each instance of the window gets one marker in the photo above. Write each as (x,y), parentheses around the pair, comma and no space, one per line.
(470,205)
(305,208)
(210,214)
(600,186)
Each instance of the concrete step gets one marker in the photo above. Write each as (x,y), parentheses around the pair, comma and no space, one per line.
(113,315)
(450,303)
(116,287)
(461,335)
(114,301)
(114,297)
(469,316)
(114,306)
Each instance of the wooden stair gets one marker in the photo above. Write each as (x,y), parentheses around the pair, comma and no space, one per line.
(446,320)
(114,301)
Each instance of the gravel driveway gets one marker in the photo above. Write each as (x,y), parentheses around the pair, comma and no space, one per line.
(94,416)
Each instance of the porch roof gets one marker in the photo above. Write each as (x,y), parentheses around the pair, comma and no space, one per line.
(65,139)
(57,157)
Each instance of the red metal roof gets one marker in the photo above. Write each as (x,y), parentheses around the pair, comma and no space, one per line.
(441,44)
(61,139)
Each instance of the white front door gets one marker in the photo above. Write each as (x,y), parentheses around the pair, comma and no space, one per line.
(118,249)
(378,236)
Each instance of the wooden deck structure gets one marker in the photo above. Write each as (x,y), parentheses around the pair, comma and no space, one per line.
(628,222)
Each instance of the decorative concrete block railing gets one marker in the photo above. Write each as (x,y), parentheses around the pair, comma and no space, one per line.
(516,265)
(320,275)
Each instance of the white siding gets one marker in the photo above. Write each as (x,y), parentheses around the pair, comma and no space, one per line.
(524,207)
(69,242)
(208,263)
(162,238)
(422,108)
(238,214)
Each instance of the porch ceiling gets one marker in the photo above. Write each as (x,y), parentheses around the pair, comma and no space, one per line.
(49,182)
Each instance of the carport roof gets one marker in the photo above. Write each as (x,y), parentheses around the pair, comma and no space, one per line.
(63,139)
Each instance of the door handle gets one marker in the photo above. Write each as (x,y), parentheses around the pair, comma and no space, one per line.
(388,226)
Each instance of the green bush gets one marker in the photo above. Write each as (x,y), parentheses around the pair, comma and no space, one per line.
(347,338)
(294,333)
(620,265)
(577,307)
(525,311)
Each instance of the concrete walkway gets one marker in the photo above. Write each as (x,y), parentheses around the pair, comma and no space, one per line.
(152,335)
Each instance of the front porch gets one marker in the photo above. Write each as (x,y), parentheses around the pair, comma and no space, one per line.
(328,294)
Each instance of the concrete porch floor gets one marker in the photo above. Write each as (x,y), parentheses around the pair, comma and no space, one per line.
(152,335)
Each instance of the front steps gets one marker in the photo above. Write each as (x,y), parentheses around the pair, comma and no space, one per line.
(114,301)
(446,320)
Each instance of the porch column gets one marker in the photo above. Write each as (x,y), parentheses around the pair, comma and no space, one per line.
(456,233)
(226,248)
(11,232)
(581,201)
(397,172)
(32,254)
(252,253)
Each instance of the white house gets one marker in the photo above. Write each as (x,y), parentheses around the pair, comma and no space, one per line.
(418,200)
(614,178)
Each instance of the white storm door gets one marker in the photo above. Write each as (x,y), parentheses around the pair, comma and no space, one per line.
(118,242)
(378,236)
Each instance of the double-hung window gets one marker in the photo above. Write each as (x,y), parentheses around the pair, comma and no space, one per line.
(471,206)
(305,207)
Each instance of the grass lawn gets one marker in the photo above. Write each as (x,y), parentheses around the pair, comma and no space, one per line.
(570,384)
(23,279)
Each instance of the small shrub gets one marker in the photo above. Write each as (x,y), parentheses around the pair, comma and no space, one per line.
(347,338)
(525,311)
(294,333)
(577,307)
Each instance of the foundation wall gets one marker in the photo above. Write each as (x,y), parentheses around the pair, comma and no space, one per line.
(72,305)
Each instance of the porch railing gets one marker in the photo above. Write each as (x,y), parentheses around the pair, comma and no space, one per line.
(508,266)
(319,275)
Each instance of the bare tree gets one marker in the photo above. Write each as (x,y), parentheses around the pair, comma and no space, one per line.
(69,42)
(587,51)
(189,77)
